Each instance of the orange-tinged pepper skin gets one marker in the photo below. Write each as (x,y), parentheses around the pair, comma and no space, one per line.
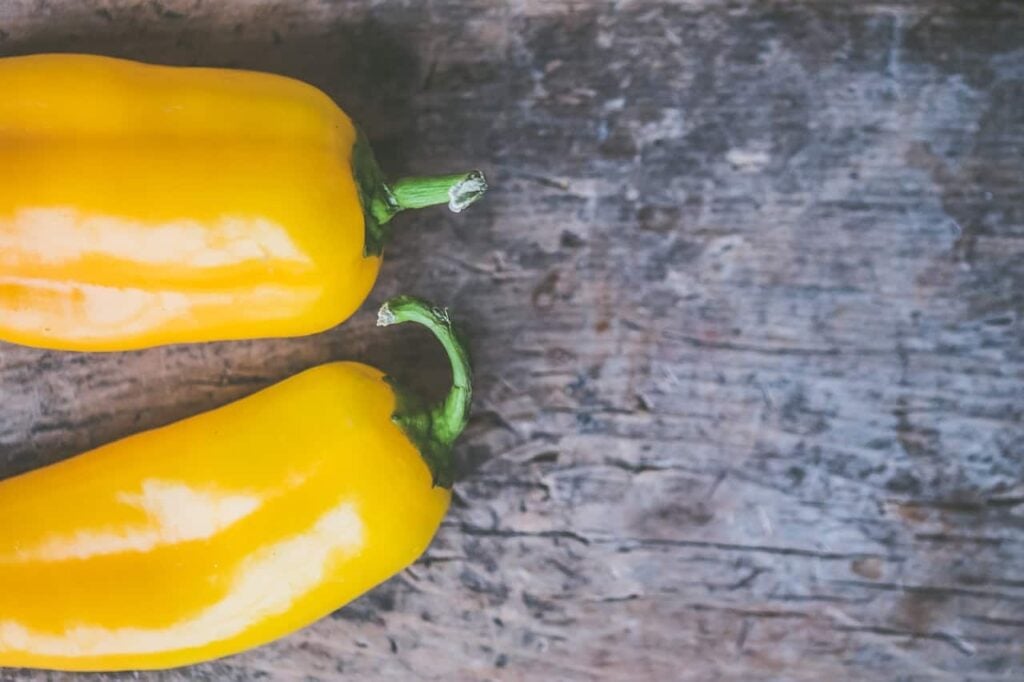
(145,205)
(217,533)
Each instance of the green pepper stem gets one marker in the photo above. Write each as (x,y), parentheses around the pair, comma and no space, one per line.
(458,191)
(383,201)
(433,429)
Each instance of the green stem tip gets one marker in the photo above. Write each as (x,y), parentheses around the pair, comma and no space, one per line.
(433,429)
(383,201)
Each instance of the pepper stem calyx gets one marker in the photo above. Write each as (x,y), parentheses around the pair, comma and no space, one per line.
(382,201)
(433,429)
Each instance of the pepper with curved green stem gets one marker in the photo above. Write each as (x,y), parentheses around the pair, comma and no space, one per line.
(231,528)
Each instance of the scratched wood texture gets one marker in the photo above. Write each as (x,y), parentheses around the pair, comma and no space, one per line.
(747,307)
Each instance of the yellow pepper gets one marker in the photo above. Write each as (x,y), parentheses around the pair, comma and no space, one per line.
(144,205)
(232,528)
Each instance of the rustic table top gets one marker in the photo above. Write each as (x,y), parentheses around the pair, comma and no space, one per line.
(747,307)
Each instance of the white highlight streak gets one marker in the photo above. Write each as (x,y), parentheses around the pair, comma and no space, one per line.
(62,235)
(268,583)
(177,513)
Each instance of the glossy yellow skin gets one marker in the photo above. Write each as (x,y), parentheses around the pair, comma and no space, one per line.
(216,533)
(144,205)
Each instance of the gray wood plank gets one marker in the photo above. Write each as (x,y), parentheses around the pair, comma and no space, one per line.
(746,305)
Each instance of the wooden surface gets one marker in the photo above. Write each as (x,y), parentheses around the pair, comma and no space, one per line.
(747,307)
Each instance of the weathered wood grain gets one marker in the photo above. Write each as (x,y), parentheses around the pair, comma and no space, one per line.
(747,307)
